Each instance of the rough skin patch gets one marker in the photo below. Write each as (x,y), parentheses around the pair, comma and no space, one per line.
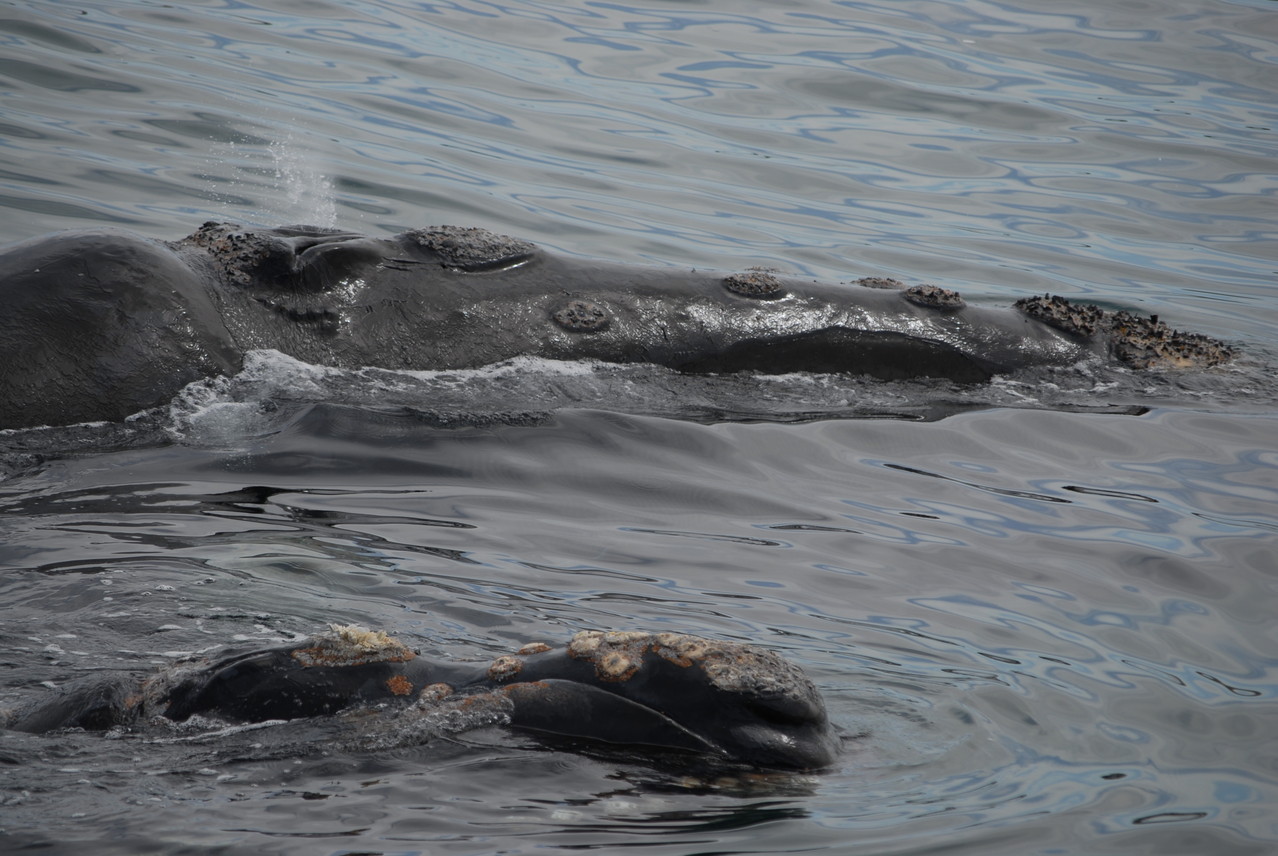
(730,666)
(759,283)
(238,254)
(1146,343)
(399,685)
(1141,343)
(1081,319)
(617,665)
(266,262)
(934,297)
(581,316)
(434,693)
(457,714)
(682,649)
(350,645)
(472,249)
(587,643)
(755,672)
(505,668)
(533,648)
(583,645)
(880,282)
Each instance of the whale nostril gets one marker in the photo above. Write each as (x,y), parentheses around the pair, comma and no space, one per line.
(344,253)
(301,230)
(321,264)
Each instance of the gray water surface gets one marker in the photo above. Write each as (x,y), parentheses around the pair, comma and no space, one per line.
(1042,612)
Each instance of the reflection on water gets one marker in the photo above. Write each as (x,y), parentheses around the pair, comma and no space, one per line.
(1007,642)
(1040,632)
(1105,152)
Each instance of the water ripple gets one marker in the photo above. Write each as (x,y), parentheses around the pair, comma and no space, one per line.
(1040,632)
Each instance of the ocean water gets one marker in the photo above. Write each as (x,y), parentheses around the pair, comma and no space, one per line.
(1041,611)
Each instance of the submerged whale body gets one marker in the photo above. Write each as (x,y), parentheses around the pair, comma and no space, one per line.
(666,691)
(100,324)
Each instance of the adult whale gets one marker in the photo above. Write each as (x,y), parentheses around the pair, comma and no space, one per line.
(668,691)
(100,324)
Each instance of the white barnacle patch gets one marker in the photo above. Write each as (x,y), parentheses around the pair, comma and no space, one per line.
(433,694)
(351,645)
(505,668)
(533,648)
(681,649)
(626,637)
(731,667)
(617,665)
(755,672)
(617,654)
(363,639)
(584,644)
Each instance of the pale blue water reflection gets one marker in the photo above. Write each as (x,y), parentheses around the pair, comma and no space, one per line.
(1042,632)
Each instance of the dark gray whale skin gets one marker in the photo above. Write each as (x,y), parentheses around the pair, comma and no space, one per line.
(665,691)
(100,324)
(97,325)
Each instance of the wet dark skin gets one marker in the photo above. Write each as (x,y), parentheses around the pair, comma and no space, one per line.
(101,324)
(666,691)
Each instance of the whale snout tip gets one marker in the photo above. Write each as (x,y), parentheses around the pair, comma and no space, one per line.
(811,746)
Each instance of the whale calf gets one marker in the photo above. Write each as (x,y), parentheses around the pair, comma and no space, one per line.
(100,324)
(667,691)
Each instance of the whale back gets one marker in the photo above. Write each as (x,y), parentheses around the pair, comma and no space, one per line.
(99,324)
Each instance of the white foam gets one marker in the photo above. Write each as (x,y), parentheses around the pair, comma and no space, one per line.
(266,394)
(217,733)
(525,365)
